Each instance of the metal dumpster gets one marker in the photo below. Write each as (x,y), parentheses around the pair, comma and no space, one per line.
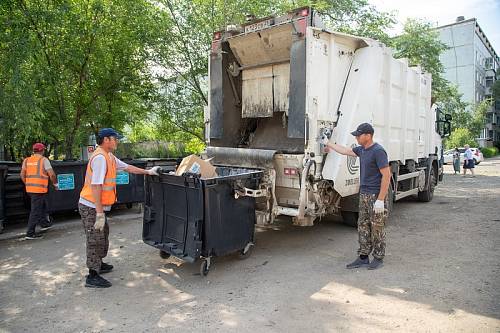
(193,218)
(3,175)
(130,187)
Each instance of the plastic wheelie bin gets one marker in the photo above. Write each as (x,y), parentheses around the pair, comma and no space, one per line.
(130,187)
(70,177)
(196,219)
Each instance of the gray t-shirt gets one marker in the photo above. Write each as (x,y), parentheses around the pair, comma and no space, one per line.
(371,161)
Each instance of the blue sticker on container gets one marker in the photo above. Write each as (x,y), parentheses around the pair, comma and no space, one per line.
(66,181)
(122,178)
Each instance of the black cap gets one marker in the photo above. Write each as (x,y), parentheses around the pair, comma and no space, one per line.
(107,132)
(363,128)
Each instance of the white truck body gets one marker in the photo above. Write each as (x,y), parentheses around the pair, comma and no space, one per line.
(267,83)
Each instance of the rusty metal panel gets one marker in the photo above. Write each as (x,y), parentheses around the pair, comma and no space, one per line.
(281,88)
(257,94)
(264,46)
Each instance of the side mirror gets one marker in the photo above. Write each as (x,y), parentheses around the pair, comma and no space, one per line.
(447,117)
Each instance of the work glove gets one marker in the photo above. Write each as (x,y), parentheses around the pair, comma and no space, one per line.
(378,207)
(324,140)
(154,171)
(100,221)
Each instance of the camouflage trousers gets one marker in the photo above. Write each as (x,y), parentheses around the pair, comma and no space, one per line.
(97,241)
(371,227)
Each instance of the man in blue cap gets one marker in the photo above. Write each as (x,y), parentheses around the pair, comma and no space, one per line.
(97,197)
(375,177)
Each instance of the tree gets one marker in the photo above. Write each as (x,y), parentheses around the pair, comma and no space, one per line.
(79,66)
(459,138)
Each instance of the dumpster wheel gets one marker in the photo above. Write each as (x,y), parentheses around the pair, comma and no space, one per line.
(164,255)
(205,267)
(246,251)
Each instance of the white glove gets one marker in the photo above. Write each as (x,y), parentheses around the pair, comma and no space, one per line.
(324,140)
(154,171)
(56,186)
(378,207)
(100,221)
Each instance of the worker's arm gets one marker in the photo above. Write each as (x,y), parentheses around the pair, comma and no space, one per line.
(96,194)
(384,184)
(138,171)
(23,172)
(53,177)
(341,149)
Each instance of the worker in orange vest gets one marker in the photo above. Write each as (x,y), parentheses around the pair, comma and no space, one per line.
(35,174)
(97,197)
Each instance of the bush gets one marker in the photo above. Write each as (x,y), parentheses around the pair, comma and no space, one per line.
(489,151)
(459,138)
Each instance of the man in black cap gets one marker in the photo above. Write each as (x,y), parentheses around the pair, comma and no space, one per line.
(375,177)
(97,197)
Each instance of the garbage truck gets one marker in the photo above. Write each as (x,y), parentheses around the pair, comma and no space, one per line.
(278,83)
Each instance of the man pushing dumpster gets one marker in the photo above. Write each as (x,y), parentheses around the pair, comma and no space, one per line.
(97,197)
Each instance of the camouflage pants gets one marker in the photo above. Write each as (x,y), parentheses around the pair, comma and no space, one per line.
(371,227)
(97,241)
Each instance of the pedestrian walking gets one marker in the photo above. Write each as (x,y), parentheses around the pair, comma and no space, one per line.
(35,173)
(375,178)
(469,163)
(456,161)
(96,198)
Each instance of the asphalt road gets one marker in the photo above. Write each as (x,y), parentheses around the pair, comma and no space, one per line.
(441,273)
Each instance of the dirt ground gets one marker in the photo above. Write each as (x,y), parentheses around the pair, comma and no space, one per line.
(441,274)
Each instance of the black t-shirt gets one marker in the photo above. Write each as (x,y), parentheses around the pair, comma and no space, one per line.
(371,160)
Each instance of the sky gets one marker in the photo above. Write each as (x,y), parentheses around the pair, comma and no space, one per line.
(442,12)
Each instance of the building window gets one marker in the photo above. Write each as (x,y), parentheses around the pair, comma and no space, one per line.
(489,81)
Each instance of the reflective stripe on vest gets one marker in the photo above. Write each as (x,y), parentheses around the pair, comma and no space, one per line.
(37,180)
(108,194)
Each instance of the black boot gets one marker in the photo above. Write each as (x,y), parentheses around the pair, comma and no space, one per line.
(105,268)
(94,280)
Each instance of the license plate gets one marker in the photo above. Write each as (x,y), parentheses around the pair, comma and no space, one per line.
(258,26)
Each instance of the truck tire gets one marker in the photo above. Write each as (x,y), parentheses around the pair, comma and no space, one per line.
(350,218)
(427,194)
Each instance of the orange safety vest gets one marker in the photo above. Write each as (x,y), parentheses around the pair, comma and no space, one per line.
(37,179)
(108,194)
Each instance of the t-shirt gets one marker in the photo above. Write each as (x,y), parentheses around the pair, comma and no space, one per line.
(371,159)
(468,154)
(98,166)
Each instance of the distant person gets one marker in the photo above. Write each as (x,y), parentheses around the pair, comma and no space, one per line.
(469,163)
(375,177)
(456,161)
(97,196)
(35,173)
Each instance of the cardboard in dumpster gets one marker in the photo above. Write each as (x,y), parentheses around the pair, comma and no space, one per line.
(194,164)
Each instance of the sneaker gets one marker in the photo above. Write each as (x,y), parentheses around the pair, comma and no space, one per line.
(358,263)
(34,236)
(97,282)
(105,268)
(45,227)
(376,263)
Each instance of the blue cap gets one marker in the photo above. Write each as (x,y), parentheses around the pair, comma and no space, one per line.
(107,132)
(363,128)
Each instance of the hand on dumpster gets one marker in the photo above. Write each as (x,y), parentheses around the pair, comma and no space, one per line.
(154,171)
(378,207)
(100,221)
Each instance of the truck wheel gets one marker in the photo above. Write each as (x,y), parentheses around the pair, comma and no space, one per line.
(390,199)
(428,193)
(350,218)
(164,255)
